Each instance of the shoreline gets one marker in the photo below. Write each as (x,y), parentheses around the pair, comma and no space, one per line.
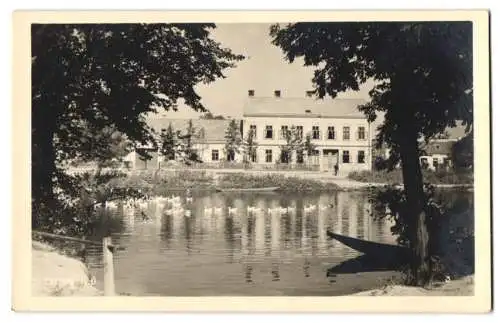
(463,286)
(55,274)
(342,182)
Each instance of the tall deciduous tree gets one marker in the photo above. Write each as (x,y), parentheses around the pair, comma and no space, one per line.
(87,76)
(293,143)
(250,145)
(168,142)
(186,146)
(423,74)
(233,140)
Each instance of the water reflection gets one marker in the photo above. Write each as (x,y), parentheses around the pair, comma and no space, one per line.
(240,252)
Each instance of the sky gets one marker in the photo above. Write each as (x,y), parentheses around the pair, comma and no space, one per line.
(264,70)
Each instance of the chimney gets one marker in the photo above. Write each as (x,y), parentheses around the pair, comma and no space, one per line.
(251,93)
(309,94)
(277,93)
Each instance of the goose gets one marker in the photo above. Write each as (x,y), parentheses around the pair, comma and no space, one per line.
(208,210)
(231,210)
(253,209)
(187,213)
(309,208)
(323,207)
(217,210)
(111,205)
(290,209)
(189,199)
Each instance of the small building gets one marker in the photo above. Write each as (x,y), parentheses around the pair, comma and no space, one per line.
(340,133)
(208,142)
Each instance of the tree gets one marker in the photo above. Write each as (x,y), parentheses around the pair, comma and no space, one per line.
(168,142)
(210,116)
(87,76)
(233,140)
(187,145)
(293,143)
(308,148)
(462,152)
(423,74)
(249,145)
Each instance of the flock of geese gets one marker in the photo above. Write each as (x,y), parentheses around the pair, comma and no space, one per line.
(172,205)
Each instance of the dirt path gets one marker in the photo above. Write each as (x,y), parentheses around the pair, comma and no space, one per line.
(54,274)
(460,287)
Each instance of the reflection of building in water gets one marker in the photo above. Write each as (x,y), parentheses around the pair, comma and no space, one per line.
(275,272)
(129,215)
(337,227)
(260,232)
(244,235)
(368,219)
(322,244)
(275,234)
(352,216)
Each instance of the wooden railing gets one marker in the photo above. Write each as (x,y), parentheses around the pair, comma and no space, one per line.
(107,256)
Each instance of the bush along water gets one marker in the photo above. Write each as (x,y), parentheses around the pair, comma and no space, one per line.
(394,177)
(450,226)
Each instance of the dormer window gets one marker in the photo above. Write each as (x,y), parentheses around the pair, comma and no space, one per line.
(308,111)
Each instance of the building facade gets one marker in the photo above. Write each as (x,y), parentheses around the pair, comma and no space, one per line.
(339,132)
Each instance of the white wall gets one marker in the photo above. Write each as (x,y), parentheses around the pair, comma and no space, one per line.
(353,145)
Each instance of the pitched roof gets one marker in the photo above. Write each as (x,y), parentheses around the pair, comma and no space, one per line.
(438,148)
(214,130)
(303,107)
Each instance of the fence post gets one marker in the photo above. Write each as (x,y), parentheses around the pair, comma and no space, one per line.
(109,273)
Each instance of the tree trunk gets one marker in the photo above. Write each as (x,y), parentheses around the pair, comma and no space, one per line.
(42,162)
(417,224)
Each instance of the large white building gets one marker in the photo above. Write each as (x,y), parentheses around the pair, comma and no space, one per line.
(340,133)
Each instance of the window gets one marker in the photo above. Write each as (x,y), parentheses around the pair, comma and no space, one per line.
(215,155)
(269,156)
(300,157)
(230,156)
(253,156)
(300,131)
(331,133)
(361,133)
(346,133)
(284,156)
(253,128)
(345,156)
(315,132)
(283,133)
(361,157)
(269,132)
(435,162)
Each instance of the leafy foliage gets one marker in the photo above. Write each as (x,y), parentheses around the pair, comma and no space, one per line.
(293,143)
(249,145)
(86,77)
(168,143)
(233,140)
(423,75)
(462,152)
(186,144)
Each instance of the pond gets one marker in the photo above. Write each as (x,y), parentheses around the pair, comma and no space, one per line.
(242,252)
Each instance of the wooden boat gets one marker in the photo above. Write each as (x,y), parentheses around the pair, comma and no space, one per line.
(371,248)
(254,189)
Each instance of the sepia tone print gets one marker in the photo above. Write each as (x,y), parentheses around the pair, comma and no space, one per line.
(318,158)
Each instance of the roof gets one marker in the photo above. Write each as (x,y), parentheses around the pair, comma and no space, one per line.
(297,107)
(438,148)
(214,129)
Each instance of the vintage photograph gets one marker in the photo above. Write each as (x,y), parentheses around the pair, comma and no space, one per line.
(308,158)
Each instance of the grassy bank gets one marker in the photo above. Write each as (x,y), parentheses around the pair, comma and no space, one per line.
(396,177)
(285,183)
(160,182)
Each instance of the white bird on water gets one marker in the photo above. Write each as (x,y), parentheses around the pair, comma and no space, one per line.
(208,210)
(232,210)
